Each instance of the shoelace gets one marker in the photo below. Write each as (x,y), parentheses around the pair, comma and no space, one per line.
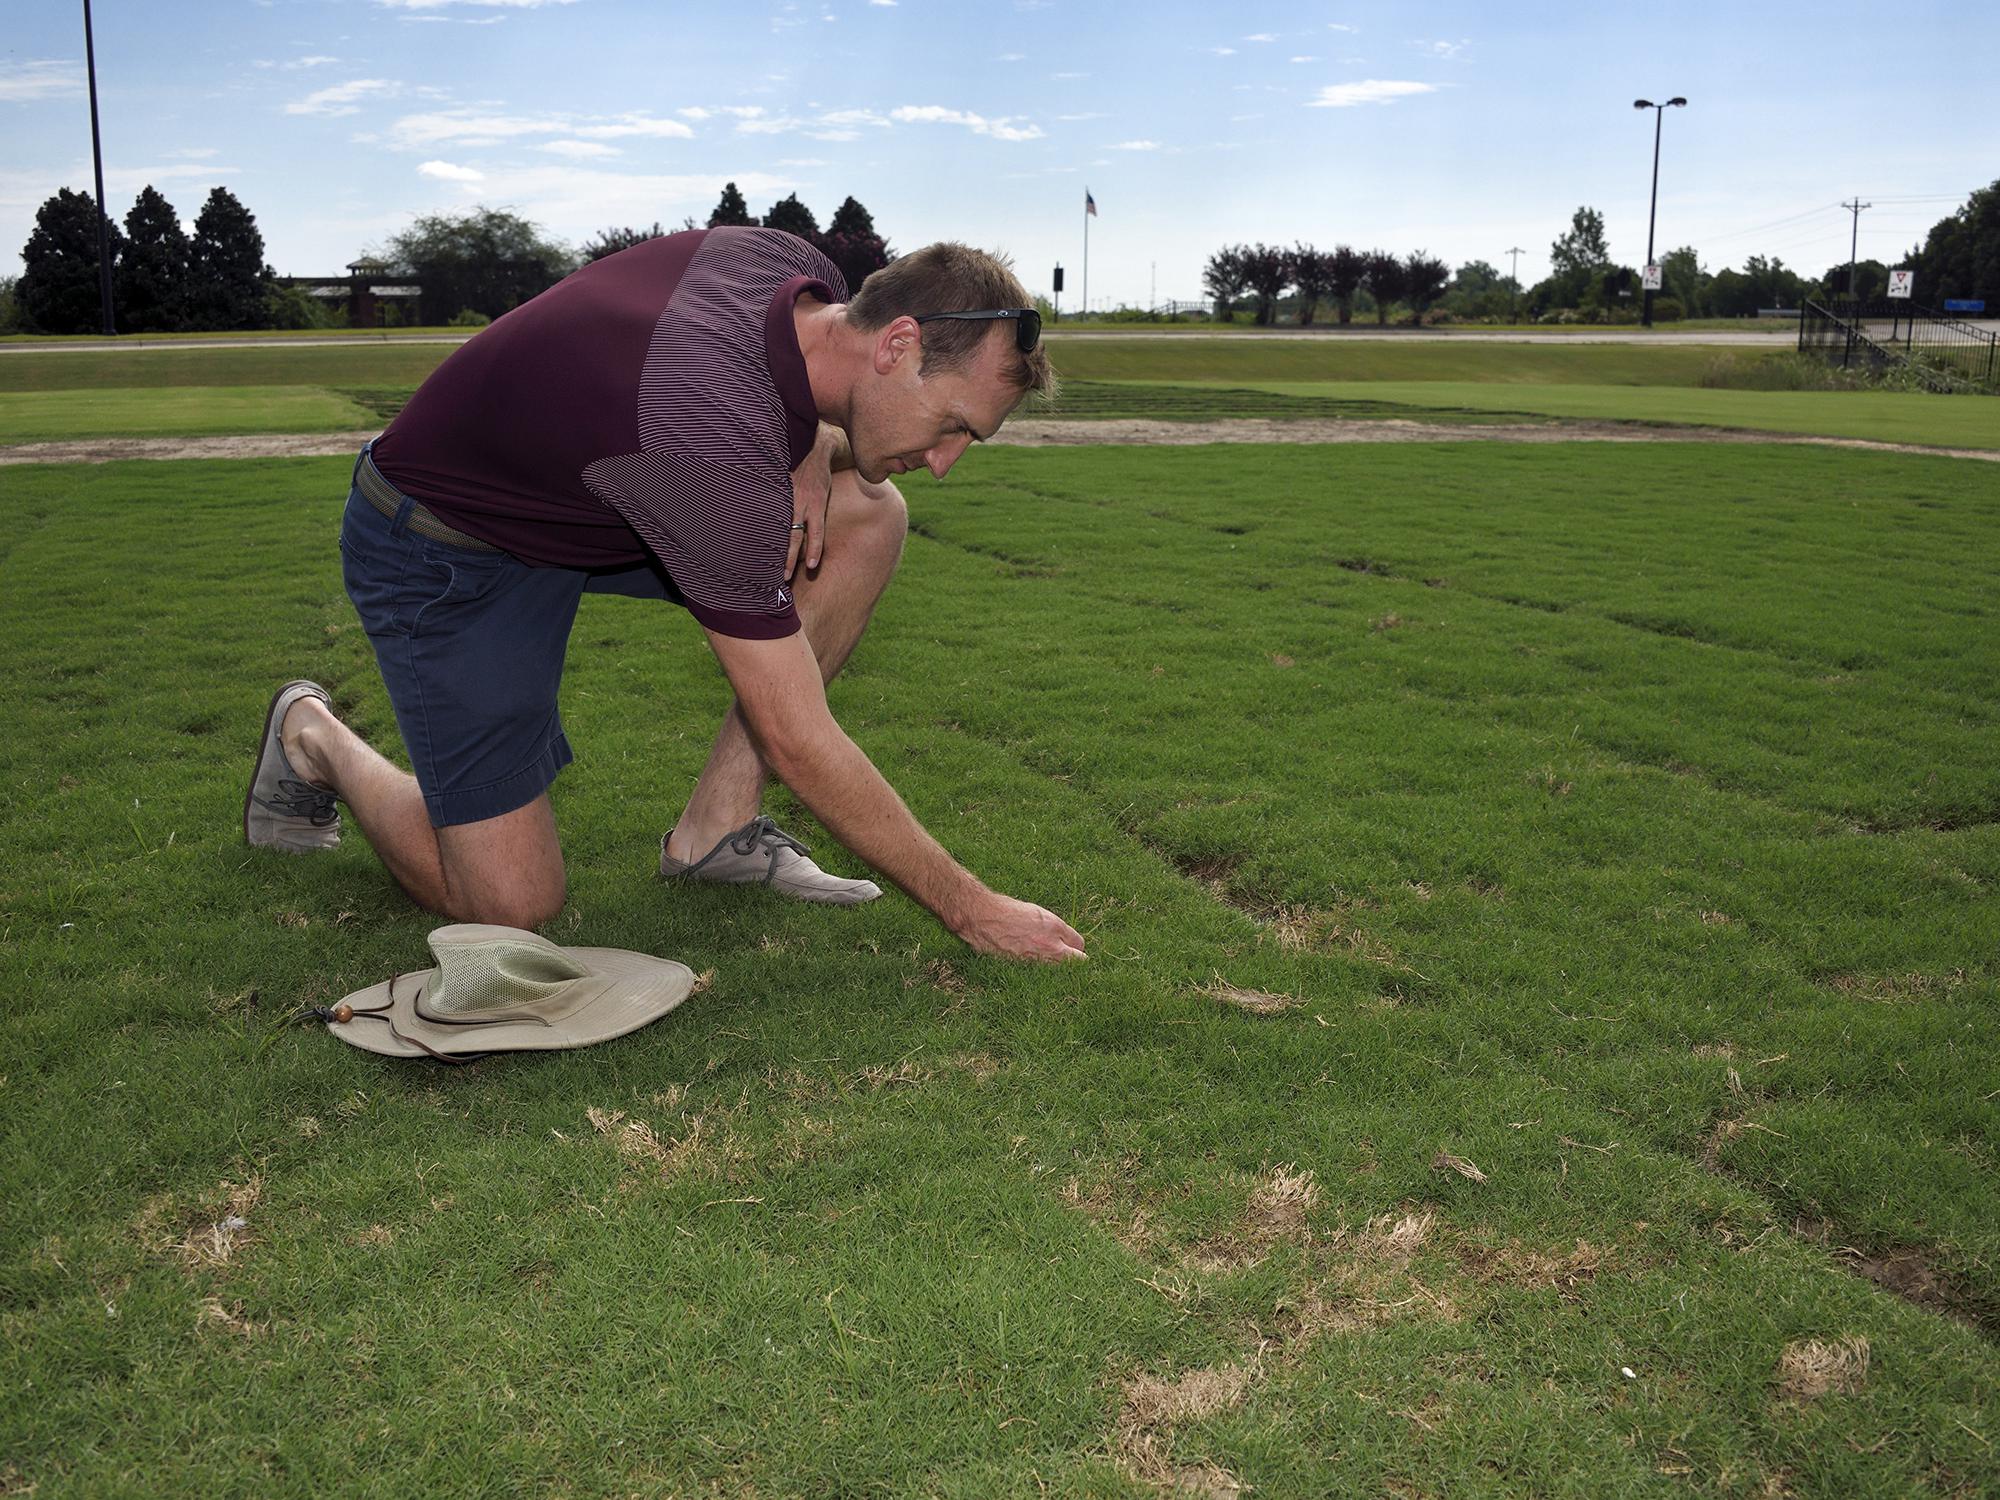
(301,799)
(761,830)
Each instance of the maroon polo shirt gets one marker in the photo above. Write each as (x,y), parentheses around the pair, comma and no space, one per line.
(652,405)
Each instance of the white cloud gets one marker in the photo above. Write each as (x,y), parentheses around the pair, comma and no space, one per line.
(465,127)
(578,150)
(1088,114)
(339,100)
(23,83)
(1368,91)
(1002,129)
(1012,57)
(1223,51)
(308,62)
(1134,146)
(1262,36)
(884,3)
(1443,49)
(445,171)
(1336,26)
(1065,76)
(1305,59)
(576,200)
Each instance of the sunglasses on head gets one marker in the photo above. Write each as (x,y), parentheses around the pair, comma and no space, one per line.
(1027,323)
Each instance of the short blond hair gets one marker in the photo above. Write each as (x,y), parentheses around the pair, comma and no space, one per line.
(950,277)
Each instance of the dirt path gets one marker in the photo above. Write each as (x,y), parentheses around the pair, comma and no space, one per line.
(1042,433)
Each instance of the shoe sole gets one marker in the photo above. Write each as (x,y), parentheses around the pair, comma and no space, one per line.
(264,744)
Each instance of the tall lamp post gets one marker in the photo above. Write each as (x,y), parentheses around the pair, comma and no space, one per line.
(1653,213)
(97,158)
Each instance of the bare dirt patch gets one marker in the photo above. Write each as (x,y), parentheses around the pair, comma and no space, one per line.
(1255,1002)
(207,1234)
(1042,432)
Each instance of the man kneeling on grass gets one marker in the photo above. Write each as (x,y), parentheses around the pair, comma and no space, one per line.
(692,419)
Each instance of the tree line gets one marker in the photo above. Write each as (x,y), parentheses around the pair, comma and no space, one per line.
(1960,257)
(1266,272)
(471,267)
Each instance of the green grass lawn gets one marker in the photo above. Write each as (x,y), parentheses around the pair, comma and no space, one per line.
(1886,416)
(377,363)
(1620,824)
(176,411)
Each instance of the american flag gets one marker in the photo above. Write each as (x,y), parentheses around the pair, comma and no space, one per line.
(1089,203)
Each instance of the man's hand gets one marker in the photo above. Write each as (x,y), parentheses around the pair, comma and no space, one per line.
(783,703)
(812,487)
(1016,929)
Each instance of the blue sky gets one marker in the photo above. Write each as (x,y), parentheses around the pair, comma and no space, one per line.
(1457,128)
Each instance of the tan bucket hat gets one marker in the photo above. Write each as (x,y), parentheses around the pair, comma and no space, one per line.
(503,989)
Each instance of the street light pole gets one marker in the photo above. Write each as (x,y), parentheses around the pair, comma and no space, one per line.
(1652,214)
(97,157)
(1514,276)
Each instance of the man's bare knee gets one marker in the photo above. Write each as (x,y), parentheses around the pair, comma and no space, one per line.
(507,871)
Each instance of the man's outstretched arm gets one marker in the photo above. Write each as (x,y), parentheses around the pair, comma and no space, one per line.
(778,687)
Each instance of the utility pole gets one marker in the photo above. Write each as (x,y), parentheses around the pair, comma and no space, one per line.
(97,157)
(1514,275)
(1853,243)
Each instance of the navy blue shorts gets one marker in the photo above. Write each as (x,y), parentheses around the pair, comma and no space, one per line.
(471,647)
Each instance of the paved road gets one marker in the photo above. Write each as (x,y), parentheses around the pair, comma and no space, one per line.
(1779,336)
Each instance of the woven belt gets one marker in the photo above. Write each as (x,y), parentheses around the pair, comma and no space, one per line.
(386,498)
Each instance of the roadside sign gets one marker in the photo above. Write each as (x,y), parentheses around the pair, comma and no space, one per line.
(1965,304)
(1651,280)
(1901,283)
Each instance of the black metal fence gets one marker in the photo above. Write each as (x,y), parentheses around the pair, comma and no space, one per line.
(1897,331)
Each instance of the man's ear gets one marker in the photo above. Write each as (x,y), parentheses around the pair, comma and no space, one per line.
(902,339)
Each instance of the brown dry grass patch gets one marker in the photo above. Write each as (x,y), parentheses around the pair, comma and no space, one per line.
(1152,1409)
(1811,1368)
(1895,989)
(1253,1002)
(209,1233)
(638,1145)
(1274,1212)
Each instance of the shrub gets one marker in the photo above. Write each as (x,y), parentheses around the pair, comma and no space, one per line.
(1668,310)
(467,317)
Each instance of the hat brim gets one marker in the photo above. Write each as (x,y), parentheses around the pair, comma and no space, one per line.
(624,991)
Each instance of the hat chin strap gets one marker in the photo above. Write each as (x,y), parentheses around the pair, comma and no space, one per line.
(337,1015)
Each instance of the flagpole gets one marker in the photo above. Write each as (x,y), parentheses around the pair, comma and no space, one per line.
(1086,252)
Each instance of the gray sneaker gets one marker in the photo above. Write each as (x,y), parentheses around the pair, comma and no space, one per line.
(283,810)
(762,853)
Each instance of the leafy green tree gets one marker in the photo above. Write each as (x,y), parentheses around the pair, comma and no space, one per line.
(859,256)
(793,217)
(611,241)
(58,292)
(851,218)
(1871,280)
(1312,274)
(1424,279)
(226,277)
(10,304)
(1268,271)
(731,211)
(1345,270)
(1683,279)
(1382,273)
(487,260)
(1960,257)
(1577,257)
(153,276)
(1224,279)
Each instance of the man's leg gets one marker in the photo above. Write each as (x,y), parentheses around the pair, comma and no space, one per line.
(506,870)
(865,527)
